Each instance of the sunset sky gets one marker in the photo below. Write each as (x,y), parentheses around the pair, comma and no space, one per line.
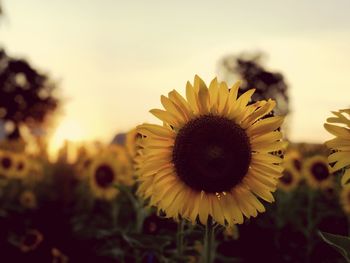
(113,59)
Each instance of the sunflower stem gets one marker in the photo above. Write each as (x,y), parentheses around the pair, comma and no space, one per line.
(208,241)
(115,213)
(180,237)
(310,224)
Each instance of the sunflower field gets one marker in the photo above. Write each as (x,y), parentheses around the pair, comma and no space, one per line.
(214,178)
(215,181)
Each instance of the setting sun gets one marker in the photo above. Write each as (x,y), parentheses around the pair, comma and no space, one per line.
(68,130)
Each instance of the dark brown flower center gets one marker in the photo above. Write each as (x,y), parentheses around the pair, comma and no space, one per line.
(297,164)
(104,176)
(20,166)
(6,162)
(30,239)
(287,177)
(320,171)
(87,163)
(211,153)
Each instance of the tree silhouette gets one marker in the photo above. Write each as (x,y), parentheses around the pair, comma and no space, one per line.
(27,96)
(267,84)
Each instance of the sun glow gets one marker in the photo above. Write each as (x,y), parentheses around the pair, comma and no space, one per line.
(69,131)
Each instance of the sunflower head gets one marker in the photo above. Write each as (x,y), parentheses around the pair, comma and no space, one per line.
(290,178)
(294,157)
(339,126)
(109,168)
(21,166)
(30,240)
(317,172)
(212,156)
(28,199)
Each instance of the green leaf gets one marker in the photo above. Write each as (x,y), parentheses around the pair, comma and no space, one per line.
(340,243)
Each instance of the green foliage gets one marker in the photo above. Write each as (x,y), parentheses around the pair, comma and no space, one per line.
(340,243)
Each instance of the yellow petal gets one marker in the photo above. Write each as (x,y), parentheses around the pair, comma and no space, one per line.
(153,129)
(346,177)
(203,209)
(338,131)
(334,157)
(173,109)
(181,102)
(266,157)
(213,93)
(203,98)
(166,117)
(265,147)
(223,96)
(192,97)
(218,214)
(266,137)
(259,113)
(265,126)
(243,100)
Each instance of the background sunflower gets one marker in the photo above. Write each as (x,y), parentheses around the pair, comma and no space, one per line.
(317,172)
(290,178)
(107,169)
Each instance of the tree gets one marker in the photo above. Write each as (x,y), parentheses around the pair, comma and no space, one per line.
(27,95)
(267,84)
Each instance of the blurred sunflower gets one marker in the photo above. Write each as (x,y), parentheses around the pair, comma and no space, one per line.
(212,156)
(341,144)
(30,240)
(27,199)
(6,163)
(290,179)
(231,232)
(293,156)
(21,166)
(317,172)
(58,256)
(109,168)
(17,145)
(345,199)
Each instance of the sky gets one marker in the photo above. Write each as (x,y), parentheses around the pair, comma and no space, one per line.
(113,59)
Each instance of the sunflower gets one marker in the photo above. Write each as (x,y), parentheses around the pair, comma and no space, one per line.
(28,199)
(21,166)
(58,256)
(341,144)
(290,179)
(317,172)
(30,241)
(7,163)
(345,199)
(293,156)
(109,168)
(212,155)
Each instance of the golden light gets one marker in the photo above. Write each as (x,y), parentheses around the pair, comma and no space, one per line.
(69,131)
